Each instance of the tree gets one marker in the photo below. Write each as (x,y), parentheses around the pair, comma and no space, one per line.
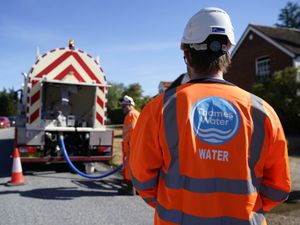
(114,111)
(145,100)
(115,92)
(281,91)
(8,103)
(135,91)
(289,16)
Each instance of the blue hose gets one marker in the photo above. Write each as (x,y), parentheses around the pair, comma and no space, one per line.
(62,143)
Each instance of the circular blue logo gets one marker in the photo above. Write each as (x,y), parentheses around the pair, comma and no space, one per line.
(215,120)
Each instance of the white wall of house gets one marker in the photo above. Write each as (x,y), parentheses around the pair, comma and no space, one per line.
(297,61)
(297,64)
(161,88)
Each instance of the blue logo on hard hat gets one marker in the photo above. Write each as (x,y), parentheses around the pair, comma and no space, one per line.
(218,30)
(214,120)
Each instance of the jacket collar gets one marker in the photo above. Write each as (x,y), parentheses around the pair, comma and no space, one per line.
(210,80)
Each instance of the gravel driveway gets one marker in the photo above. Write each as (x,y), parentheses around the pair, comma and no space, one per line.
(289,212)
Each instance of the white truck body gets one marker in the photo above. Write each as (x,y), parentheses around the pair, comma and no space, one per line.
(64,92)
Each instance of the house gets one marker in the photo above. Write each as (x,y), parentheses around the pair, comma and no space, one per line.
(261,51)
(181,79)
(163,85)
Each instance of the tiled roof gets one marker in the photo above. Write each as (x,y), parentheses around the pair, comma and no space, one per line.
(288,38)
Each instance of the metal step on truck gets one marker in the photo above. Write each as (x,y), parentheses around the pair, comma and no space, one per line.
(65,92)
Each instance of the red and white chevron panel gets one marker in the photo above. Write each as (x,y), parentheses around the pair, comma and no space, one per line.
(35,103)
(101,106)
(63,64)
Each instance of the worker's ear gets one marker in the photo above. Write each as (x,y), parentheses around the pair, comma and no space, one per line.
(187,58)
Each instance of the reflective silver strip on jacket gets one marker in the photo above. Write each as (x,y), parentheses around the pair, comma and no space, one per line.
(178,217)
(257,140)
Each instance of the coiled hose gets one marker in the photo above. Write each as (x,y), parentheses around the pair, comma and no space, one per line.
(62,143)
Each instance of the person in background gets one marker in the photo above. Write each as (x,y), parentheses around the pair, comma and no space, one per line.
(207,151)
(131,117)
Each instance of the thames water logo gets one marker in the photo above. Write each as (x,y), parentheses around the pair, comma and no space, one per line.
(215,120)
(218,30)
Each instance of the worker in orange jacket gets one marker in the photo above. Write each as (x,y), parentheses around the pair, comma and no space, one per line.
(131,117)
(207,151)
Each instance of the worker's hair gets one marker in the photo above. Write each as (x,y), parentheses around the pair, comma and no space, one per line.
(207,61)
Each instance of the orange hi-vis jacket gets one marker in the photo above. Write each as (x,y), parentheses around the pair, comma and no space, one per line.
(209,153)
(128,126)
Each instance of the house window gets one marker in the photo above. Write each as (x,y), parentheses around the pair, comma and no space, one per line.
(263,66)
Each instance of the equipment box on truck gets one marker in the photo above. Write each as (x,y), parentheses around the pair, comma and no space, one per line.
(65,92)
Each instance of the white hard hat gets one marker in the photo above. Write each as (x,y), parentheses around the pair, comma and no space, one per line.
(206,22)
(127,100)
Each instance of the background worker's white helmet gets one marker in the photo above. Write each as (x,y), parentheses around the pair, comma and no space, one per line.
(206,22)
(127,100)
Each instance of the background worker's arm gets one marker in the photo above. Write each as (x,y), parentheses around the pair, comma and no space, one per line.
(146,156)
(276,183)
(129,124)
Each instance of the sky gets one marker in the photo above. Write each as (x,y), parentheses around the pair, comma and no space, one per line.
(137,40)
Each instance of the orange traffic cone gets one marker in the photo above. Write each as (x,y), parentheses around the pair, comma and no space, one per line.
(17,173)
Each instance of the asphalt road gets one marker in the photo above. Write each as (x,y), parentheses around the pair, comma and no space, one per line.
(53,195)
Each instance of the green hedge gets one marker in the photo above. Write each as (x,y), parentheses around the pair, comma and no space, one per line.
(115,116)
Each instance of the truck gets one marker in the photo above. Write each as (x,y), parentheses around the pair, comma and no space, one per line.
(64,92)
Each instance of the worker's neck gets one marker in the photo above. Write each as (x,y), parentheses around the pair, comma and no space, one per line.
(211,74)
